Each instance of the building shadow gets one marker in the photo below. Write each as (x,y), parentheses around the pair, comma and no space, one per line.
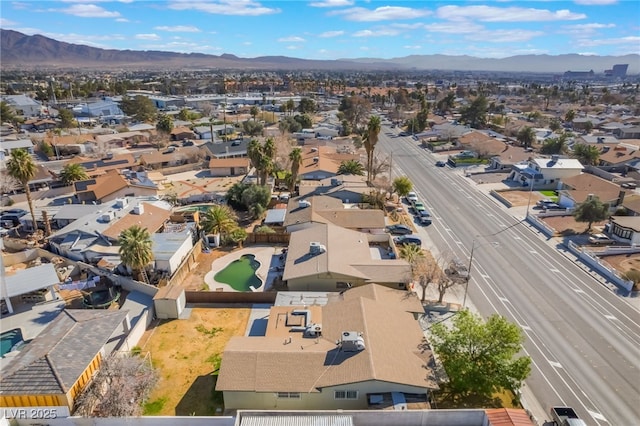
(201,399)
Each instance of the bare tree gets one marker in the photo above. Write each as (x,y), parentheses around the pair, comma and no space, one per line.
(206,109)
(119,388)
(426,270)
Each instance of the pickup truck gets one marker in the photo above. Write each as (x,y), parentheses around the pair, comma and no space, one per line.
(565,416)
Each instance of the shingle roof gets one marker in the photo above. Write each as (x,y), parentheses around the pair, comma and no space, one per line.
(324,163)
(152,218)
(54,361)
(229,162)
(102,186)
(630,222)
(580,187)
(392,353)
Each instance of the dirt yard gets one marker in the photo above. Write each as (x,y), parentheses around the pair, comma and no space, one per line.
(187,353)
(567,225)
(521,198)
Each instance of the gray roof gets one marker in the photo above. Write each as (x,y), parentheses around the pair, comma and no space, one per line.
(31,279)
(20,143)
(166,244)
(75,211)
(54,360)
(275,216)
(297,420)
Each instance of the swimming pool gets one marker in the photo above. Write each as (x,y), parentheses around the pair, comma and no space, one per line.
(196,208)
(10,340)
(241,274)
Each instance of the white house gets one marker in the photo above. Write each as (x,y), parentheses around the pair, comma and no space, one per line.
(24,105)
(545,172)
(7,146)
(172,246)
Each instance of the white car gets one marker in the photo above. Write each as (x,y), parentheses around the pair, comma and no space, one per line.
(412,197)
(600,239)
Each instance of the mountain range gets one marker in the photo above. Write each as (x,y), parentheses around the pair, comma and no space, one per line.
(36,51)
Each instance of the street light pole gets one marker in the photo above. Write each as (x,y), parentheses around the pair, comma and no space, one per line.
(529,199)
(466,287)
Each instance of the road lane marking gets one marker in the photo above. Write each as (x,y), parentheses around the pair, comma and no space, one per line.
(554,364)
(597,416)
(503,299)
(533,251)
(554,270)
(578,290)
(611,317)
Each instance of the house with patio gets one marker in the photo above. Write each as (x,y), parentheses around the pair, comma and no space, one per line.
(52,370)
(545,172)
(363,349)
(110,186)
(317,163)
(327,257)
(232,166)
(577,189)
(6,146)
(509,157)
(171,157)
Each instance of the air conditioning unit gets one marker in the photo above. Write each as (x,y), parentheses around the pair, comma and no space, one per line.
(316,248)
(303,204)
(121,203)
(351,341)
(139,209)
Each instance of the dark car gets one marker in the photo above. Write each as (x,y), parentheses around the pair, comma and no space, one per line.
(399,230)
(440,163)
(407,239)
(17,212)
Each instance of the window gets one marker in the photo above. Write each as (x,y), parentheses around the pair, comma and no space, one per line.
(341,284)
(288,395)
(345,394)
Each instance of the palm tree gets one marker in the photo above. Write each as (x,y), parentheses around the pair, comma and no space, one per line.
(526,136)
(254,112)
(351,167)
(373,130)
(410,252)
(219,220)
(135,249)
(586,154)
(73,173)
(295,156)
(22,168)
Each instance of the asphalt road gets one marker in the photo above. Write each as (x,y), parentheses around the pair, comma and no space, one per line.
(583,338)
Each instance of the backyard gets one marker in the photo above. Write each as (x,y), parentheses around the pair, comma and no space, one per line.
(187,355)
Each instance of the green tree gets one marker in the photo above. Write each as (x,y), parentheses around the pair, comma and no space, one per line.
(304,120)
(526,136)
(140,107)
(480,357)
(295,156)
(7,114)
(237,236)
(252,128)
(66,118)
(254,111)
(402,186)
(354,109)
(555,125)
(22,168)
(447,103)
(351,167)
(588,155)
(569,116)
(255,199)
(186,115)
(219,219)
(135,249)
(165,123)
(370,142)
(555,145)
(73,173)
(476,113)
(264,229)
(411,253)
(307,106)
(291,106)
(234,194)
(591,210)
(588,126)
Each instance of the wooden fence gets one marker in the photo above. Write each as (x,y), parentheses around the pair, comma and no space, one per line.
(253,238)
(230,297)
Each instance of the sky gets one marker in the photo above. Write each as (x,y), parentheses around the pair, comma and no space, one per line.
(333,29)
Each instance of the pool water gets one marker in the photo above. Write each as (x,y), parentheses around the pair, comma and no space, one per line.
(9,339)
(240,274)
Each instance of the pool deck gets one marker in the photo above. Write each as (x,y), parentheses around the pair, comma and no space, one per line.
(268,256)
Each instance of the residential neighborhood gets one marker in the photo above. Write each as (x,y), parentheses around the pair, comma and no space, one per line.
(240,253)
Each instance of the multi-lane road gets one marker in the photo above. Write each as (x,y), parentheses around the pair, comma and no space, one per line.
(583,338)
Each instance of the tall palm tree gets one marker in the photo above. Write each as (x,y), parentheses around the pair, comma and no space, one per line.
(373,130)
(295,156)
(219,220)
(22,168)
(73,173)
(135,249)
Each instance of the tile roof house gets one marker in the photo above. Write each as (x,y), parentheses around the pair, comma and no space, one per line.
(615,158)
(482,143)
(304,212)
(326,257)
(228,166)
(170,158)
(108,187)
(577,189)
(55,367)
(121,140)
(365,342)
(179,133)
(317,163)
(509,157)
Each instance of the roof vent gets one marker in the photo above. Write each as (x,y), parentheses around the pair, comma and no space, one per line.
(139,209)
(316,159)
(304,203)
(314,149)
(121,203)
(351,341)
(555,158)
(316,248)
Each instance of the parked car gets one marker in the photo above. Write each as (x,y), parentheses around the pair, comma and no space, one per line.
(17,212)
(599,239)
(419,207)
(399,229)
(424,220)
(440,163)
(407,239)
(412,197)
(543,203)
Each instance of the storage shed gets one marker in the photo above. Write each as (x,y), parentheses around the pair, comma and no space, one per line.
(169,302)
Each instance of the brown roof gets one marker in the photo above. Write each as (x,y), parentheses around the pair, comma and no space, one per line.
(229,162)
(70,139)
(152,219)
(393,352)
(354,218)
(156,157)
(513,154)
(630,222)
(324,163)
(481,142)
(180,129)
(98,166)
(581,186)
(102,186)
(508,417)
(297,214)
(618,154)
(632,202)
(347,254)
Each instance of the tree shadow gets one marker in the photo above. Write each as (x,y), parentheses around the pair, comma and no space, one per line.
(201,399)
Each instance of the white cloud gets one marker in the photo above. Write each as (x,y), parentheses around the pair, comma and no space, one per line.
(595,2)
(293,47)
(631,40)
(292,39)
(505,14)
(224,7)
(329,34)
(384,13)
(178,29)
(375,33)
(89,11)
(18,5)
(504,36)
(415,26)
(331,3)
(122,20)
(247,43)
(147,36)
(414,47)
(6,23)
(453,28)
(584,29)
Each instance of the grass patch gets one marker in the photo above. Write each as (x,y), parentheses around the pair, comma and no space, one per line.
(551,195)
(209,332)
(154,407)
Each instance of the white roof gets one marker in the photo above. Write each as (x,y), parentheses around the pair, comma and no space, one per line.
(20,143)
(561,163)
(31,279)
